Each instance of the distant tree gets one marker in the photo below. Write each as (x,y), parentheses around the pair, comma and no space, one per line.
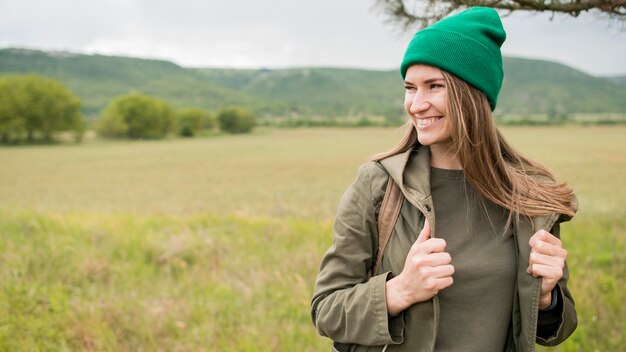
(236,120)
(410,13)
(112,125)
(136,116)
(364,122)
(394,116)
(557,114)
(209,122)
(34,106)
(190,121)
(12,124)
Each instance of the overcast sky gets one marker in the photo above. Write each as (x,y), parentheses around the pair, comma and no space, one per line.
(280,33)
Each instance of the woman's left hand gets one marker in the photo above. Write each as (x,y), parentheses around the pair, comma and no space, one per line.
(547,259)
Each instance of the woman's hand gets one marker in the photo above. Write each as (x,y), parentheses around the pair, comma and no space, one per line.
(427,270)
(547,259)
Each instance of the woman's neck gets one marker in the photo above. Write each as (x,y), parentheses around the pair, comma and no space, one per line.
(442,157)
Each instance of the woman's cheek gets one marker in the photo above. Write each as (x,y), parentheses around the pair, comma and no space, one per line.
(407,104)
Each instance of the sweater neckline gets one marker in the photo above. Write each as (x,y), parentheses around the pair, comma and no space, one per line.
(449,174)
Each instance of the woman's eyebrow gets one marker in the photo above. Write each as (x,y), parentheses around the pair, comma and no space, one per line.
(430,80)
(434,79)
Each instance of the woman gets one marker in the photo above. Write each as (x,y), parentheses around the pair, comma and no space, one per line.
(494,277)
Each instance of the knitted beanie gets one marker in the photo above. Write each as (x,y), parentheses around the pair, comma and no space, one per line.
(466,45)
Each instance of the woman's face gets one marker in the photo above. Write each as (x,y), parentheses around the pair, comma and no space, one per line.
(425,101)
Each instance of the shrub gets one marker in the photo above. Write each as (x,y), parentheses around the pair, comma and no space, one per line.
(136,116)
(190,121)
(236,120)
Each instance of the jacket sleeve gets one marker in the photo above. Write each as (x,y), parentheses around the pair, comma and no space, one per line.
(560,324)
(346,306)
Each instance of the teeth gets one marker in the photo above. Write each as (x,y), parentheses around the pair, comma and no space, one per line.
(426,122)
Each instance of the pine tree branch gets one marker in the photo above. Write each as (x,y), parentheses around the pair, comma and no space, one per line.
(421,13)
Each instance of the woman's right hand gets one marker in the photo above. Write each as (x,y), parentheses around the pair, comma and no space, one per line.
(427,270)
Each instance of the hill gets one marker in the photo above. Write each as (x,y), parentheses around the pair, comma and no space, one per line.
(319,91)
(530,86)
(97,79)
(621,80)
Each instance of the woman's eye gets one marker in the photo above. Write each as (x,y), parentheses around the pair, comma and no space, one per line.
(409,88)
(435,85)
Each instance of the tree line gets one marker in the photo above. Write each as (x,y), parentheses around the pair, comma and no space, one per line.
(33,108)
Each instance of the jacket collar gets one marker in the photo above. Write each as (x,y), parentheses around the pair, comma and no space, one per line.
(411,172)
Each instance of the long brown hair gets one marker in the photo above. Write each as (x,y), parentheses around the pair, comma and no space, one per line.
(489,163)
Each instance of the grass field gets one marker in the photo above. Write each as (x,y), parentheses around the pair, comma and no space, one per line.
(213,244)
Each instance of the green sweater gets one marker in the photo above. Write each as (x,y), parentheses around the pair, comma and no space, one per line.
(476,309)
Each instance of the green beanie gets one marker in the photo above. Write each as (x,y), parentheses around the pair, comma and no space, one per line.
(466,45)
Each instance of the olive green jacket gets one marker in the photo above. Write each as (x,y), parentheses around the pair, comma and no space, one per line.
(351,309)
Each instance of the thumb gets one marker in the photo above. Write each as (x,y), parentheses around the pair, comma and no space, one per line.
(425,233)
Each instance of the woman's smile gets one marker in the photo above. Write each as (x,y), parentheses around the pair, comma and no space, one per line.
(422,123)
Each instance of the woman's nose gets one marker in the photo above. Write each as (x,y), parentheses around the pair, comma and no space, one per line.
(419,104)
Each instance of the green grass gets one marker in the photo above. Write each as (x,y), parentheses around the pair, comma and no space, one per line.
(95,282)
(213,244)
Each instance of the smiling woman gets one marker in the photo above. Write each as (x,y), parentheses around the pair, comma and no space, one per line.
(460,180)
